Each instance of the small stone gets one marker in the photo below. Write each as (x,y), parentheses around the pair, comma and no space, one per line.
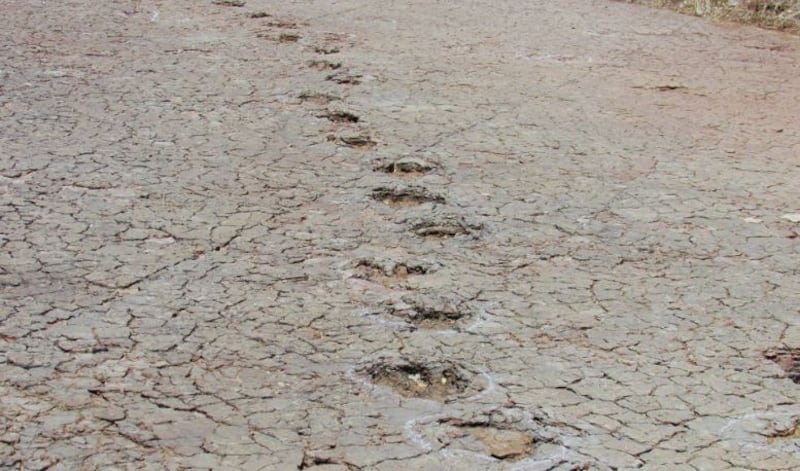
(504,444)
(111,414)
(9,437)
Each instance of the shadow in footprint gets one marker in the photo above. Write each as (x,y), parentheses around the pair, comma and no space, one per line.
(788,359)
(407,167)
(359,142)
(436,380)
(339,117)
(325,50)
(283,38)
(229,3)
(317,98)
(388,273)
(287,24)
(444,228)
(435,312)
(344,78)
(324,65)
(401,197)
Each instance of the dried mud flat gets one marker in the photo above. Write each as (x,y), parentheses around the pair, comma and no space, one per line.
(396,235)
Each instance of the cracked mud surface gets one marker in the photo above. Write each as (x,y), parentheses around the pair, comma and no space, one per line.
(193,249)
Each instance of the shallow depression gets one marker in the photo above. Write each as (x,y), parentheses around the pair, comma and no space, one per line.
(427,311)
(441,229)
(436,380)
(407,167)
(360,142)
(788,359)
(389,273)
(400,197)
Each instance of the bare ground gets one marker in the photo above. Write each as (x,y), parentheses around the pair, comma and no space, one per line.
(396,235)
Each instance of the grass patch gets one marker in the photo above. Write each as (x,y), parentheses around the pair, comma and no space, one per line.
(782,15)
